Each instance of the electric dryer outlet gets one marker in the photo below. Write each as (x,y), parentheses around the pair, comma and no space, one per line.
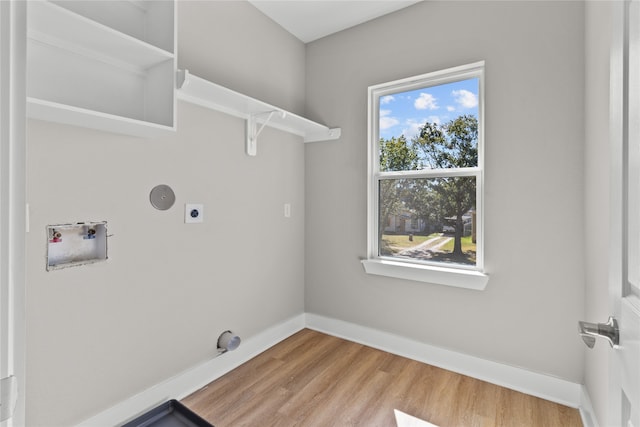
(193,213)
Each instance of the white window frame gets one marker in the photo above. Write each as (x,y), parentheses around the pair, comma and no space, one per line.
(458,275)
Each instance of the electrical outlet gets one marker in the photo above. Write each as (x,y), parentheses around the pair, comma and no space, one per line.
(193,213)
(287,210)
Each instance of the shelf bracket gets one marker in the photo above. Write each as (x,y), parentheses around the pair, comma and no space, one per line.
(253,131)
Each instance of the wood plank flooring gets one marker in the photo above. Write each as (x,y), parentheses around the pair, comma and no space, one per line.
(312,379)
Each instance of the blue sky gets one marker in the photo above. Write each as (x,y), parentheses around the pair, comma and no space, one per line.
(405,112)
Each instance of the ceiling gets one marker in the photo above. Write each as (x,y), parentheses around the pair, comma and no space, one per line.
(310,20)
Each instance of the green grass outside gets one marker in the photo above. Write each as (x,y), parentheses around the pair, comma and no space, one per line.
(394,243)
(401,241)
(468,249)
(467,245)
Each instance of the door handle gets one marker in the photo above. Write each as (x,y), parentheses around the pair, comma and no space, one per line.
(609,331)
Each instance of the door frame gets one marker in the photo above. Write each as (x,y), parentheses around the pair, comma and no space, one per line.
(617,189)
(13,33)
(620,88)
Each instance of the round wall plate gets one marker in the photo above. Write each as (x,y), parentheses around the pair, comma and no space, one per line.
(162,197)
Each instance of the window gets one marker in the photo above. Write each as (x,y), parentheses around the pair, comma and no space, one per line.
(426,178)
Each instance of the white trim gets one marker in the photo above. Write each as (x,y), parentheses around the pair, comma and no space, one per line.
(618,104)
(428,173)
(182,385)
(457,277)
(416,271)
(12,201)
(587,414)
(519,379)
(435,78)
(535,384)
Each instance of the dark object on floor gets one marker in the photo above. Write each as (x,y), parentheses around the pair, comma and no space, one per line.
(169,414)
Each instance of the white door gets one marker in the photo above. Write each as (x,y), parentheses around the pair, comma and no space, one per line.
(624,285)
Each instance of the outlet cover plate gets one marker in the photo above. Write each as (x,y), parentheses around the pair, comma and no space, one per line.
(193,213)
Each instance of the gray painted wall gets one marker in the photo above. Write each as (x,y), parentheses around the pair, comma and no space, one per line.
(99,334)
(534,136)
(235,45)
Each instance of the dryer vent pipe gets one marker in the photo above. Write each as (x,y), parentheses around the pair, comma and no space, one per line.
(228,341)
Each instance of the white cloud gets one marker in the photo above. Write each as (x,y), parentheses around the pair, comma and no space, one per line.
(426,101)
(413,126)
(412,129)
(434,119)
(386,99)
(465,98)
(386,121)
(451,108)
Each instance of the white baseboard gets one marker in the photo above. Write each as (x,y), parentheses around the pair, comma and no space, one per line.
(539,385)
(189,381)
(180,386)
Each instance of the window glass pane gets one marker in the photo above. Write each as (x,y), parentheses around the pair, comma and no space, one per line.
(428,219)
(428,128)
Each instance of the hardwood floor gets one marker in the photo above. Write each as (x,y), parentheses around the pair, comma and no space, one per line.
(312,379)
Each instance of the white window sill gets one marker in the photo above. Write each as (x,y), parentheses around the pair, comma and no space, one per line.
(468,279)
